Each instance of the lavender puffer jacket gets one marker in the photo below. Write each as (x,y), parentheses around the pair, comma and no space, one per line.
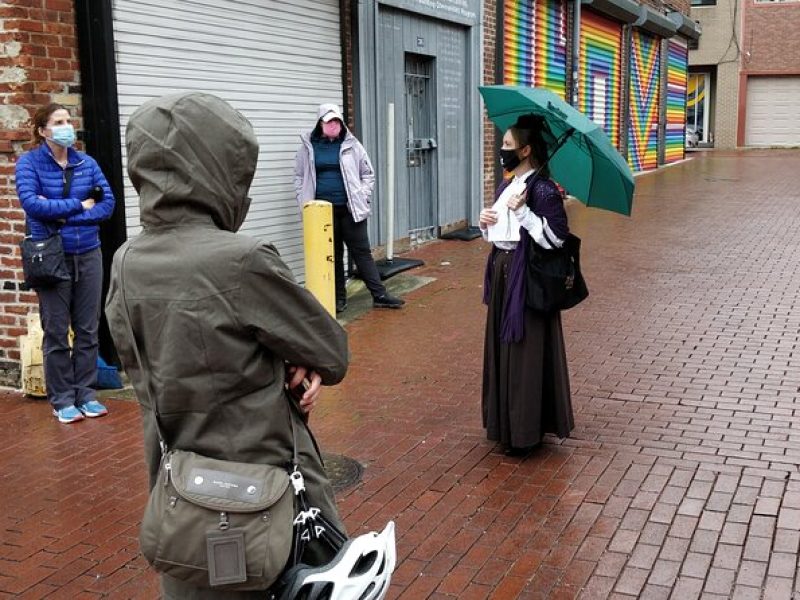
(357,171)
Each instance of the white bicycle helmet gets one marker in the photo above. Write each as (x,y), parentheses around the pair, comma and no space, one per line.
(361,570)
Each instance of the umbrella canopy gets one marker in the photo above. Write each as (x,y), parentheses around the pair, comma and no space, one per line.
(582,158)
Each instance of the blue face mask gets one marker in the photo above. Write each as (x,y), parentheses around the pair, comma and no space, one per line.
(63,135)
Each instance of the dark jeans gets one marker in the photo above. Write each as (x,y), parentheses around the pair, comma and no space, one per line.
(356,236)
(70,375)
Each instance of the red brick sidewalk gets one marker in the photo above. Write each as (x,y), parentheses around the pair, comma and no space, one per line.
(681,476)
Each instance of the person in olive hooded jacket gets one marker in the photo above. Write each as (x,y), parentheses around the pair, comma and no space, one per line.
(217,315)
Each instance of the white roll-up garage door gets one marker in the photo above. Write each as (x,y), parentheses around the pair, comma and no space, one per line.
(772,115)
(274,61)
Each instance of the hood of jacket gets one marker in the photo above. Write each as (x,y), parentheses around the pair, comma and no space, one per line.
(191,158)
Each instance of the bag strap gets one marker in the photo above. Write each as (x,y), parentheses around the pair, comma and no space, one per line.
(129,328)
(553,245)
(69,173)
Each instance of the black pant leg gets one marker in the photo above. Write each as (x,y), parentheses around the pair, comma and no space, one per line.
(54,308)
(356,236)
(339,215)
(86,292)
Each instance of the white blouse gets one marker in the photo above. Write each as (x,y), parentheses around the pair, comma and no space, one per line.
(535,225)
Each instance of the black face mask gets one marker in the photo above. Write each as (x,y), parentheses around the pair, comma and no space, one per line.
(509,160)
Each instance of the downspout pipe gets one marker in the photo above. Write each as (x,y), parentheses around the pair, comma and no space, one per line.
(576,50)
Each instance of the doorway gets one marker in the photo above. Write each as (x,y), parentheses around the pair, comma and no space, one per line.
(698,92)
(421,144)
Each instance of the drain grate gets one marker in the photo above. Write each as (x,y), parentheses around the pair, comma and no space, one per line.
(343,472)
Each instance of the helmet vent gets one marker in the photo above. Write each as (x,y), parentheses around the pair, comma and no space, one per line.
(364,564)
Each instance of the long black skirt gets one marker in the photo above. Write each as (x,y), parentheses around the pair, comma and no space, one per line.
(525,384)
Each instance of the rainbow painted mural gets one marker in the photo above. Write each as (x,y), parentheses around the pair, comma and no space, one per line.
(600,77)
(677,58)
(643,131)
(535,44)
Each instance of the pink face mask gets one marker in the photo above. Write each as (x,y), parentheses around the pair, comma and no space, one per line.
(332,128)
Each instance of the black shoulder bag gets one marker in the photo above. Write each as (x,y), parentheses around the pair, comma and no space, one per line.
(43,262)
(553,277)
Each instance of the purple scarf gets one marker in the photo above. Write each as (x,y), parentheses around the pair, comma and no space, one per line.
(545,201)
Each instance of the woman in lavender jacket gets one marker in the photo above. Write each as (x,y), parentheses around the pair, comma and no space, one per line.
(525,378)
(332,165)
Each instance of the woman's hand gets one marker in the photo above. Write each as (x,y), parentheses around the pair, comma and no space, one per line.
(88,203)
(515,201)
(487,217)
(313,389)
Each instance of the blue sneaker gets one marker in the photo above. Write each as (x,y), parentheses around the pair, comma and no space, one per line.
(93,409)
(70,414)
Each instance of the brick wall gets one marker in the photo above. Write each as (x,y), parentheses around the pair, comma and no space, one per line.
(39,66)
(718,53)
(490,26)
(660,6)
(772,38)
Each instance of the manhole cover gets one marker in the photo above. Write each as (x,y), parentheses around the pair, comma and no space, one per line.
(342,471)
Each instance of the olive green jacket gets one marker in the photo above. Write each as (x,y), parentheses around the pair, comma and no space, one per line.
(216,314)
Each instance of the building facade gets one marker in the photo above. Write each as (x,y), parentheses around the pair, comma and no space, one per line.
(745,73)
(619,61)
(622,63)
(40,65)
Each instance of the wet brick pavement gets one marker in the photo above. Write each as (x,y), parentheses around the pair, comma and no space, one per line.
(680,480)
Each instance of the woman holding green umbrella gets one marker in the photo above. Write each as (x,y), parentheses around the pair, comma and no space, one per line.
(525,378)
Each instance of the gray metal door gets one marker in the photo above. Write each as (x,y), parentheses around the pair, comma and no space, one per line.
(421,147)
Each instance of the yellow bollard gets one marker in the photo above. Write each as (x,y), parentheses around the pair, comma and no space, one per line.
(318,246)
(30,350)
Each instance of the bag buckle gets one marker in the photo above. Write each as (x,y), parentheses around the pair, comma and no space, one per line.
(298,483)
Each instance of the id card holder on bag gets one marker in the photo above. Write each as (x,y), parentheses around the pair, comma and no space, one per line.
(226,563)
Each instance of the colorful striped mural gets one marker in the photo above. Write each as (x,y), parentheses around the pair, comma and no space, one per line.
(599,89)
(535,44)
(677,58)
(644,99)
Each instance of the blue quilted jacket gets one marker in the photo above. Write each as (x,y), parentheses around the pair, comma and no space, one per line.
(40,183)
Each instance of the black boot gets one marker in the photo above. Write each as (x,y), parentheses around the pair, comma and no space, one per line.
(387,301)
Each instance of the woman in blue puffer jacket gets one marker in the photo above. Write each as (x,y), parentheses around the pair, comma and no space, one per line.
(64,191)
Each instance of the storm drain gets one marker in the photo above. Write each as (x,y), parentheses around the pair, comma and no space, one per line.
(343,472)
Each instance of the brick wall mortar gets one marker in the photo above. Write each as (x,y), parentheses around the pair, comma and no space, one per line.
(771,40)
(38,65)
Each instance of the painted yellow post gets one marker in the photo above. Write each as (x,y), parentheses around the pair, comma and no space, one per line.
(318,245)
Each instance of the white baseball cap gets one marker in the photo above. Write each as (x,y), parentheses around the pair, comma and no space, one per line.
(327,112)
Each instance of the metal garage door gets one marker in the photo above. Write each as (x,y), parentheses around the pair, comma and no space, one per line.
(599,92)
(274,61)
(772,115)
(643,131)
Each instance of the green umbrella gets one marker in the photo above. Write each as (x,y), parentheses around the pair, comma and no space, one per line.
(582,158)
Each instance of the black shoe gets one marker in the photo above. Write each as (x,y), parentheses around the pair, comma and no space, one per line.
(387,301)
(341,307)
(520,451)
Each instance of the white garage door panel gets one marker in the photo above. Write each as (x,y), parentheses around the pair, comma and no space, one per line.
(274,61)
(772,115)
